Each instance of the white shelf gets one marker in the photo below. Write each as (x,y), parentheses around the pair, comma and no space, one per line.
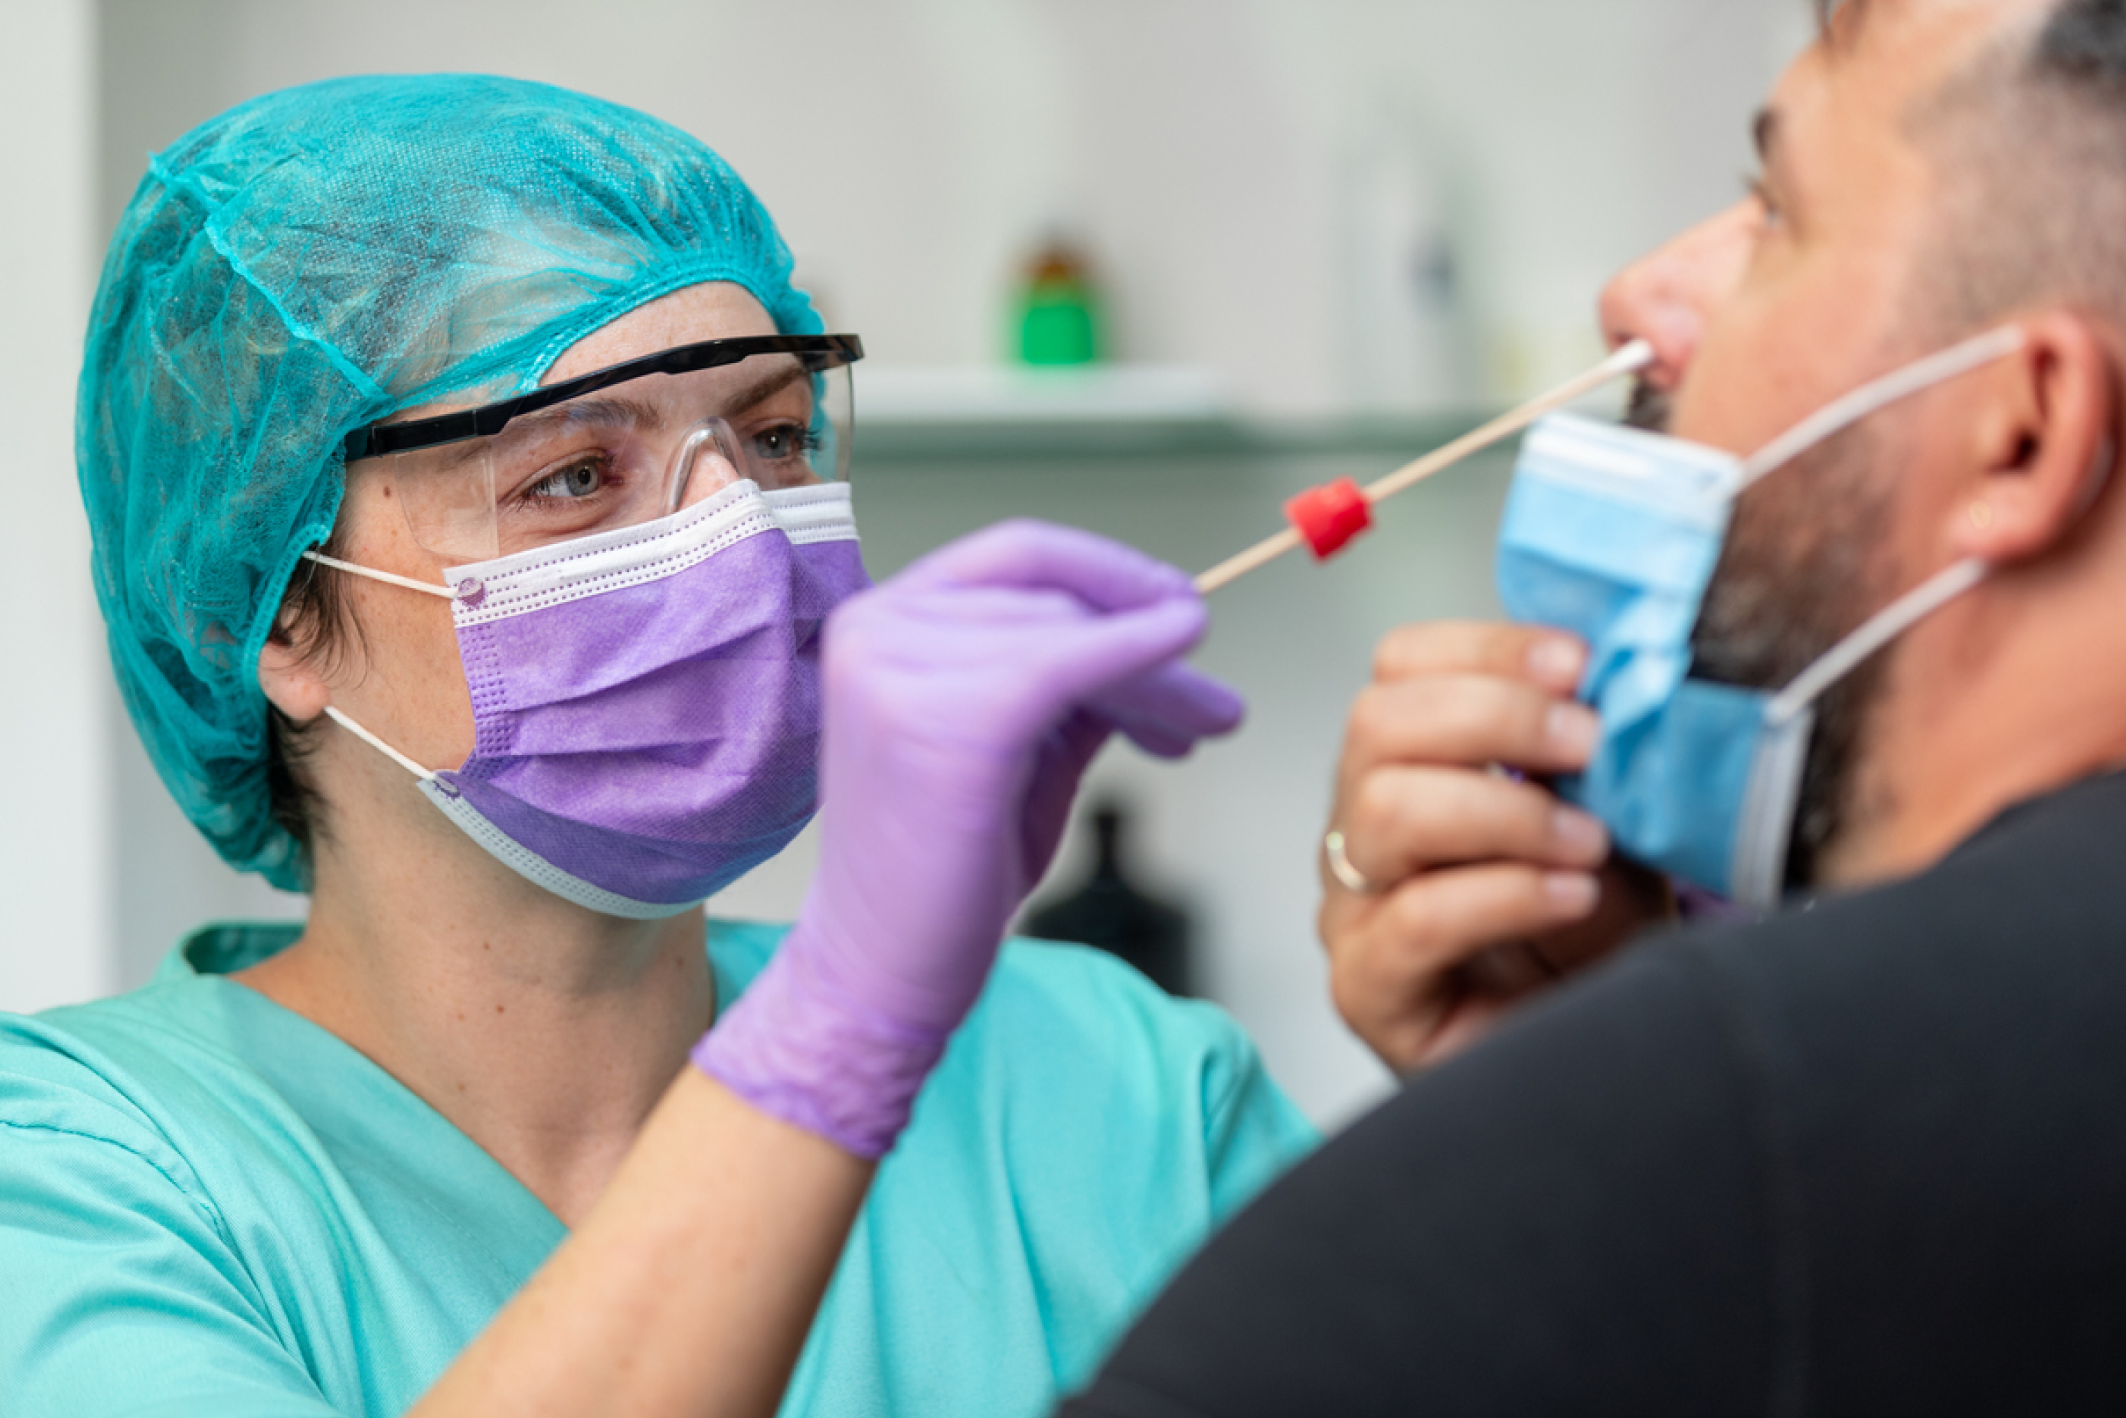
(1003,394)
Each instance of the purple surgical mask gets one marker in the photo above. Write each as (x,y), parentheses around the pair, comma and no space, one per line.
(646,700)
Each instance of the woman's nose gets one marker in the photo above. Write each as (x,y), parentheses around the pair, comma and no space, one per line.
(1666,297)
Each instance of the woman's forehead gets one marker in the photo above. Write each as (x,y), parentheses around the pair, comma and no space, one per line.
(717,310)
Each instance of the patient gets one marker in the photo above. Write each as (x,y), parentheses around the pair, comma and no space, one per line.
(1864,1156)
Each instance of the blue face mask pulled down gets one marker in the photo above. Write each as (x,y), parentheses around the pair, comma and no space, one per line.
(1613,534)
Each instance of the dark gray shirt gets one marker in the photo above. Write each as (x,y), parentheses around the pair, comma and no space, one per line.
(1864,1158)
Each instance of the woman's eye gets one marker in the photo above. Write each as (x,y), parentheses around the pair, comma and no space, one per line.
(783,441)
(579,481)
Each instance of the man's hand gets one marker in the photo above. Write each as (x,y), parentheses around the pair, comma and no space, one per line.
(1486,887)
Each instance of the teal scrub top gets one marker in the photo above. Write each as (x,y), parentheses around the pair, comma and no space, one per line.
(209,1205)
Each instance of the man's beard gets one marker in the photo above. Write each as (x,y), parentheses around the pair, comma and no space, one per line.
(1802,568)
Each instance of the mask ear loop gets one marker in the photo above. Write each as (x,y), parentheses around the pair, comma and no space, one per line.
(424,774)
(392,578)
(2107,459)
(333,713)
(1877,631)
(1774,790)
(1758,871)
(1905,612)
(1840,414)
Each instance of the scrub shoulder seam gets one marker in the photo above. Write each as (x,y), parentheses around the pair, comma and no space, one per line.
(192,1194)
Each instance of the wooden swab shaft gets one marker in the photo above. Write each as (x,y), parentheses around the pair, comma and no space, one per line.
(1628,360)
(1226,572)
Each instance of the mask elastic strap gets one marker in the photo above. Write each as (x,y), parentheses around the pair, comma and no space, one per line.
(2107,457)
(379,745)
(1879,630)
(389,578)
(1773,793)
(1902,614)
(1840,414)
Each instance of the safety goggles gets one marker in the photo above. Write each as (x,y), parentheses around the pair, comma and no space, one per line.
(620,446)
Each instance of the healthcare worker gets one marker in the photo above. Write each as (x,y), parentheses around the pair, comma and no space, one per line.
(466,482)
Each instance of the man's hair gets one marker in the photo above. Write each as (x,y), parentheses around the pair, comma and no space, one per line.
(2029,140)
(2083,45)
(2082,41)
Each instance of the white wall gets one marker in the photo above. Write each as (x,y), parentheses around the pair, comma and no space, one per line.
(911,149)
(56,862)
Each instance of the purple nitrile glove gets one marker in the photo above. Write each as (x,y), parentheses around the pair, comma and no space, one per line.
(963,700)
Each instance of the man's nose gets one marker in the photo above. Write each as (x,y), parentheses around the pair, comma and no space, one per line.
(1665,298)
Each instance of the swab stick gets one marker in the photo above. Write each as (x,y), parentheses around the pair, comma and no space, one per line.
(1327,518)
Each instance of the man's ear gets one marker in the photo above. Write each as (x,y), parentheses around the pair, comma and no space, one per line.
(2044,443)
(293,681)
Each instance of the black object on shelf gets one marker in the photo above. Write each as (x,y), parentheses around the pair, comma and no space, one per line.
(1106,910)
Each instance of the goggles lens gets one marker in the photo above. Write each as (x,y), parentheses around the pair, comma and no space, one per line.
(626,454)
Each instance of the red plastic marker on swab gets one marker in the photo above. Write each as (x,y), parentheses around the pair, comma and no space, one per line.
(1330,515)
(1327,518)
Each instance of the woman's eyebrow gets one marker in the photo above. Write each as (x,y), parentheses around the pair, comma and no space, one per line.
(594,410)
(601,410)
(774,382)
(619,411)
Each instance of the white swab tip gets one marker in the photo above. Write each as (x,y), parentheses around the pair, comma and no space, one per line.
(1631,358)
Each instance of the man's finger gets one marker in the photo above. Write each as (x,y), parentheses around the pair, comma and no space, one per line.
(1466,720)
(1396,965)
(1436,921)
(1547,659)
(1398,821)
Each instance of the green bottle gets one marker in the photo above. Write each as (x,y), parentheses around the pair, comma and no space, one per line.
(1059,321)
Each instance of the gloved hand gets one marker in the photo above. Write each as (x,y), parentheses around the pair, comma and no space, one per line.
(963,700)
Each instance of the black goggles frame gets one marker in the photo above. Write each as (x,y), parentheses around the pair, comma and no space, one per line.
(816,352)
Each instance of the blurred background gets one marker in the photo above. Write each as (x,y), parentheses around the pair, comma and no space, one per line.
(1144,266)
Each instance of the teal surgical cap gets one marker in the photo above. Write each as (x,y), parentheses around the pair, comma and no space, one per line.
(308,262)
